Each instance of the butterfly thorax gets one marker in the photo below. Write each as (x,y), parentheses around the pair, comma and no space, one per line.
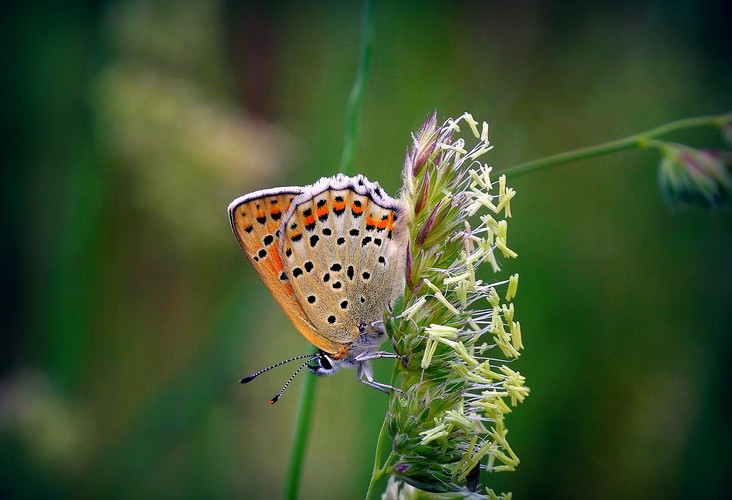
(371,336)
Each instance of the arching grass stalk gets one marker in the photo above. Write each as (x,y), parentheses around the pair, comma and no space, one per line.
(687,176)
(307,394)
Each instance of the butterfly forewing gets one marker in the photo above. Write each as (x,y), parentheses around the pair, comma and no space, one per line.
(344,250)
(256,220)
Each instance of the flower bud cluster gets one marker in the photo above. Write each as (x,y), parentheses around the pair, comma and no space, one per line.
(697,177)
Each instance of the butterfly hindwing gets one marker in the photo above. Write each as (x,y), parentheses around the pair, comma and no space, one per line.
(344,249)
(257,222)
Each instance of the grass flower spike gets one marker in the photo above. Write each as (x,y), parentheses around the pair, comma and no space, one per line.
(457,332)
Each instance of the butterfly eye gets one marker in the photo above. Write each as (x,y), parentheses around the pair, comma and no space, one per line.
(325,362)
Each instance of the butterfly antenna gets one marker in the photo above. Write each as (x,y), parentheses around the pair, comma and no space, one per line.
(292,377)
(255,375)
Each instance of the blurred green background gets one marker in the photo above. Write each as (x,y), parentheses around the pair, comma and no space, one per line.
(129,313)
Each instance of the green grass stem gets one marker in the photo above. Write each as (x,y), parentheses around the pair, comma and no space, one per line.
(302,434)
(307,394)
(641,140)
(355,99)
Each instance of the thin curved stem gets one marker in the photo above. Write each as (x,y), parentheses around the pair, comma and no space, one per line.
(307,394)
(355,99)
(634,141)
(378,471)
(302,433)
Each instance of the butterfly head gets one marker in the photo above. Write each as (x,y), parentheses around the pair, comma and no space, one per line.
(323,365)
(320,363)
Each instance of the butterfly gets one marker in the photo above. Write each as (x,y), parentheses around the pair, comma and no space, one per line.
(332,254)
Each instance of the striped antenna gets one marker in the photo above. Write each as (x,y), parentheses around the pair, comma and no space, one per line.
(292,377)
(255,375)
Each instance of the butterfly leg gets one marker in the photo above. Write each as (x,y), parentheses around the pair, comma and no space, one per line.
(366,376)
(366,356)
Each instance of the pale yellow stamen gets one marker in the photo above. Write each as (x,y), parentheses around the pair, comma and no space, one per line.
(450,147)
(409,312)
(473,124)
(439,296)
(516,339)
(438,432)
(484,133)
(512,287)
